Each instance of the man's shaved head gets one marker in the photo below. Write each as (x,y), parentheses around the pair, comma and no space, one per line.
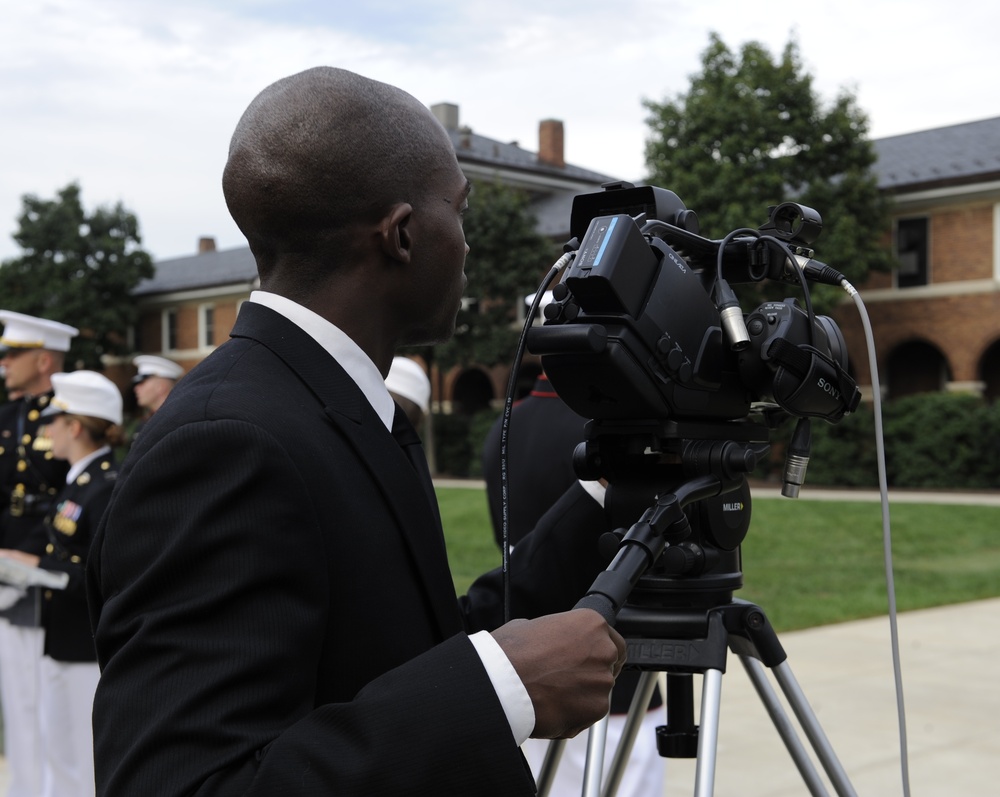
(320,152)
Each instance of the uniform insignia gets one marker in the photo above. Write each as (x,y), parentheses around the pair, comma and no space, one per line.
(42,444)
(66,517)
(64,525)
(84,478)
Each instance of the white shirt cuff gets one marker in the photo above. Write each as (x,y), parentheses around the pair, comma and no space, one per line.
(513,696)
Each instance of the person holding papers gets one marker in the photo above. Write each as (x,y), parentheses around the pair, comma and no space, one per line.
(84,415)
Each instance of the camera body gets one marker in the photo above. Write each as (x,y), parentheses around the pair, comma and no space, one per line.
(635,330)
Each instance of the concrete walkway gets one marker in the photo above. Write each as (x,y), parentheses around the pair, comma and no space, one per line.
(948,658)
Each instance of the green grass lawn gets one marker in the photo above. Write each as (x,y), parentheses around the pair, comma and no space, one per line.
(810,563)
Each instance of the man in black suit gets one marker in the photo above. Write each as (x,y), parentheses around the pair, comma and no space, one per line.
(273,608)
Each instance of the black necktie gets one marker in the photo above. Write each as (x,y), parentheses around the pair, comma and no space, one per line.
(409,441)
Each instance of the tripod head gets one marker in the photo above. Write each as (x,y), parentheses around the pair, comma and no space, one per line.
(686,482)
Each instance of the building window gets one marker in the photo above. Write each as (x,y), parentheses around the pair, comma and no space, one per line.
(207,325)
(912,248)
(169,330)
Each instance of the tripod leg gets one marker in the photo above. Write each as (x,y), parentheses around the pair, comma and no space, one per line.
(597,739)
(708,736)
(547,774)
(781,722)
(824,750)
(636,711)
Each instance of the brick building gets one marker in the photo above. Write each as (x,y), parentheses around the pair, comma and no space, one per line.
(936,317)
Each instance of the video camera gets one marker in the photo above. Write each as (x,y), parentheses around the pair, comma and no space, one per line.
(645,325)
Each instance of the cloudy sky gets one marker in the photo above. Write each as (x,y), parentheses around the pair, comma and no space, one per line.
(136,99)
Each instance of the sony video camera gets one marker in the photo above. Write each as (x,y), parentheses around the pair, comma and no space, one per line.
(644,324)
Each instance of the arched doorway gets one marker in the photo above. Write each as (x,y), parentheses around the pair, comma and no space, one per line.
(471,393)
(989,372)
(916,367)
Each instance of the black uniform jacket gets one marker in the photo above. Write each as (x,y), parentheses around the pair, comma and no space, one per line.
(71,526)
(274,610)
(30,478)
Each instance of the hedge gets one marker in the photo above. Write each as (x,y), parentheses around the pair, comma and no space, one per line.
(933,440)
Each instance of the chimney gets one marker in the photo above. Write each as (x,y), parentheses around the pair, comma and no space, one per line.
(447,114)
(550,143)
(206,244)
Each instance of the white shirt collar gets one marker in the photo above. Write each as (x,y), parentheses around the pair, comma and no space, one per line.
(345,351)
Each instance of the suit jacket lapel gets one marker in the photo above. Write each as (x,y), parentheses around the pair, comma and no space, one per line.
(415,511)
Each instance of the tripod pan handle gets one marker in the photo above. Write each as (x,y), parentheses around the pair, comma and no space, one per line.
(600,604)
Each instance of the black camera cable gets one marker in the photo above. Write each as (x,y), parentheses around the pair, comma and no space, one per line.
(555,271)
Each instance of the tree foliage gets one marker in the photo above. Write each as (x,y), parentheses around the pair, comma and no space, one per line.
(77,268)
(751,133)
(507,259)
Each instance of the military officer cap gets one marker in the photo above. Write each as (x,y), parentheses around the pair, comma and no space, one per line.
(22,331)
(150,365)
(407,379)
(85,393)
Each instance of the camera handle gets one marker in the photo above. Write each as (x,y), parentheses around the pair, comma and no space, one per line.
(645,541)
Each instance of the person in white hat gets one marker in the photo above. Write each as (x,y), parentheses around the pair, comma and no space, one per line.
(155,378)
(410,388)
(82,422)
(32,351)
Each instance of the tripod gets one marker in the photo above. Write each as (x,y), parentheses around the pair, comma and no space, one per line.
(683,626)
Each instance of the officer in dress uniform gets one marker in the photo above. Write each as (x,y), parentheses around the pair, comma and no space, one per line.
(33,350)
(155,378)
(83,417)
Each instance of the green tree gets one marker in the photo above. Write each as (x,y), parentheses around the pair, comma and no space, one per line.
(507,259)
(750,133)
(77,268)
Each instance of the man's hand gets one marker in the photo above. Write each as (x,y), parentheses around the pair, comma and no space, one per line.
(568,662)
(20,556)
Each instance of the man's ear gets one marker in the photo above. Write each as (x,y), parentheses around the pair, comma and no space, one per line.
(394,232)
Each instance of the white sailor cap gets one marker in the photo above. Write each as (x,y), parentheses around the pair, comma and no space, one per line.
(85,393)
(151,365)
(407,379)
(22,331)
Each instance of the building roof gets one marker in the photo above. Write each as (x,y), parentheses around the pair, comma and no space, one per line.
(472,147)
(942,156)
(204,270)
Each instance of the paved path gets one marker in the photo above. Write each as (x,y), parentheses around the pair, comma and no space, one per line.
(948,658)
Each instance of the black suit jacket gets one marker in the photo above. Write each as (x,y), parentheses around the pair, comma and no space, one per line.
(273,606)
